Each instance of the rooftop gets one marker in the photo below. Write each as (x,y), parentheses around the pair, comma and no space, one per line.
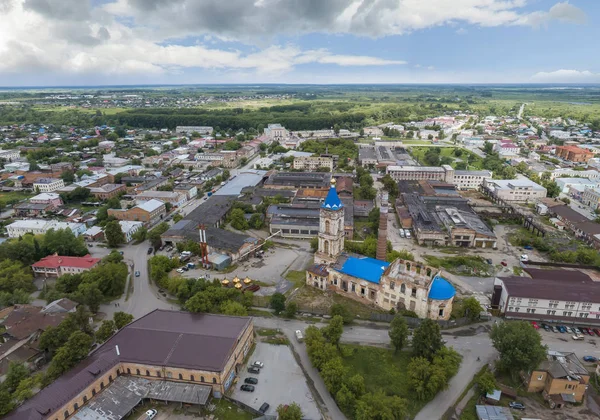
(24,320)
(151,205)
(365,268)
(161,338)
(441,289)
(248,178)
(332,201)
(567,285)
(46,180)
(55,261)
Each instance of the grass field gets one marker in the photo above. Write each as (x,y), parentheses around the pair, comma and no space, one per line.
(383,369)
(474,161)
(13,197)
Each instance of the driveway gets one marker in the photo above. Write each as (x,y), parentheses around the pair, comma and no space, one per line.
(281,381)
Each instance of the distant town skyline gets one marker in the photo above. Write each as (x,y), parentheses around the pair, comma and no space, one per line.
(121,42)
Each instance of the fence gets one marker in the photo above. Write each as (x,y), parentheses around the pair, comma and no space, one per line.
(563,265)
(415,322)
(243,406)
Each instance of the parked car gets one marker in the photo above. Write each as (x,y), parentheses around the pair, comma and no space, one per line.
(504,263)
(554,329)
(251,380)
(407,233)
(597,331)
(578,337)
(150,414)
(489,261)
(524,258)
(137,273)
(576,330)
(247,388)
(401,231)
(516,405)
(263,408)
(258,364)
(299,336)
(528,247)
(150,250)
(585,330)
(180,270)
(253,370)
(569,330)
(590,359)
(562,329)
(535,325)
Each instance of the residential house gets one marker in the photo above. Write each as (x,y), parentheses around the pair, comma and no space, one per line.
(190,190)
(176,199)
(63,305)
(515,190)
(148,212)
(574,154)
(51,199)
(56,265)
(561,378)
(108,191)
(130,228)
(313,163)
(40,227)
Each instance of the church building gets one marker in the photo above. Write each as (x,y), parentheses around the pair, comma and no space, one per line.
(399,285)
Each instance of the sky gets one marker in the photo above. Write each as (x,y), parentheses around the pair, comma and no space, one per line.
(110,42)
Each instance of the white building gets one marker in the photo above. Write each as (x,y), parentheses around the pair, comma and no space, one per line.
(470,180)
(515,190)
(591,197)
(276,132)
(111,161)
(416,173)
(130,228)
(48,184)
(10,155)
(560,134)
(263,163)
(567,172)
(565,296)
(189,129)
(566,183)
(40,227)
(312,163)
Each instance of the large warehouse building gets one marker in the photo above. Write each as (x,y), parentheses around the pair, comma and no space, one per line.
(165,355)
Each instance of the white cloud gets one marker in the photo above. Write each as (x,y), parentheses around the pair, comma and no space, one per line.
(430,68)
(566,76)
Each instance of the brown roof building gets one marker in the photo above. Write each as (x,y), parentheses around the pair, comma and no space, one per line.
(566,296)
(574,153)
(174,348)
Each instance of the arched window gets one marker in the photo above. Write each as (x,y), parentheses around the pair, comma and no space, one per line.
(110,378)
(66,413)
(202,379)
(158,373)
(192,378)
(128,371)
(214,380)
(326,247)
(147,373)
(75,406)
(93,391)
(102,385)
(84,399)
(403,288)
(137,371)
(327,226)
(180,376)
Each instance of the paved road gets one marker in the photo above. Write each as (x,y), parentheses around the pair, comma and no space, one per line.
(145,297)
(520,113)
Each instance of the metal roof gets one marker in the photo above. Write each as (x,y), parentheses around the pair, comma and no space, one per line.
(365,268)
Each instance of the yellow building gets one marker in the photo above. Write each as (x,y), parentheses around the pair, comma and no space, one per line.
(165,355)
(561,378)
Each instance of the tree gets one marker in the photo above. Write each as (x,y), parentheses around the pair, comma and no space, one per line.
(398,332)
(106,330)
(238,220)
(121,319)
(314,244)
(140,234)
(337,309)
(552,188)
(486,382)
(333,372)
(74,350)
(291,309)
(233,308)
(345,399)
(289,412)
(520,346)
(256,221)
(25,389)
(68,176)
(6,402)
(427,339)
(15,374)
(90,295)
(114,234)
(471,308)
(278,303)
(488,148)
(333,331)
(54,337)
(378,406)
(177,217)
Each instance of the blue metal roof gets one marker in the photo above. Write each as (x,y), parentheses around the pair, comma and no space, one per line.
(332,201)
(441,289)
(365,268)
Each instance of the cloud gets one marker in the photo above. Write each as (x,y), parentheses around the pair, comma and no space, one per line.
(254,20)
(566,76)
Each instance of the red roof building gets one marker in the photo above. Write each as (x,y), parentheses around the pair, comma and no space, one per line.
(56,265)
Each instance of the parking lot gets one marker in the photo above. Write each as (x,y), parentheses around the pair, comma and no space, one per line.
(281,381)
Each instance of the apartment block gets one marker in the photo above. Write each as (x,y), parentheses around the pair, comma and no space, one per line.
(313,163)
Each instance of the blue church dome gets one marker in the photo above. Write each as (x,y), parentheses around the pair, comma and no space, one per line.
(332,201)
(441,289)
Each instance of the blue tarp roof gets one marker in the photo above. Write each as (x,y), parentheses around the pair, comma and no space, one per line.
(441,289)
(368,269)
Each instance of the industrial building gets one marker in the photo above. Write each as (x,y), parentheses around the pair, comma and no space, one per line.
(168,356)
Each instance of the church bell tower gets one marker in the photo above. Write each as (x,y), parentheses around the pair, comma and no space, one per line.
(331,228)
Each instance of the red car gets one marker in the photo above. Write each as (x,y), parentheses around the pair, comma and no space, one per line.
(535,325)
(597,331)
(504,263)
